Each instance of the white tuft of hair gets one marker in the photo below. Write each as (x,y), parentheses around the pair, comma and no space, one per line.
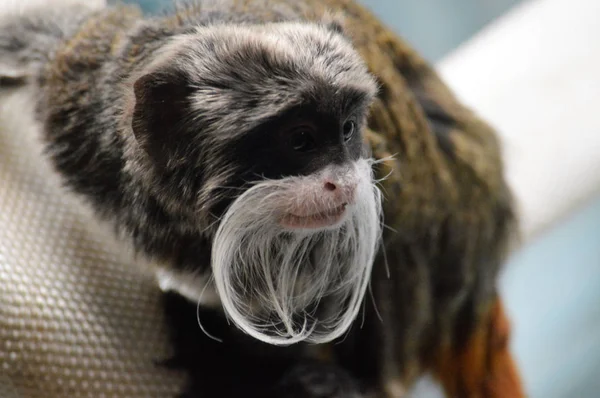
(284,286)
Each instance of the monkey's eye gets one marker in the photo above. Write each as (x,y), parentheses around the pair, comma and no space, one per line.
(301,139)
(348,129)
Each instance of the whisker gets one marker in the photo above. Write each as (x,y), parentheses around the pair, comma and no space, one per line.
(375,303)
(383,225)
(198,313)
(288,275)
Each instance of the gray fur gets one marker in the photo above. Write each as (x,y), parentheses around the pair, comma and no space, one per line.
(28,40)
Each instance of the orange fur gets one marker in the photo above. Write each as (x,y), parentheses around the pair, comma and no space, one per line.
(484,367)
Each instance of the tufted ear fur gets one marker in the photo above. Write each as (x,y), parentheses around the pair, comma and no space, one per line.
(160,113)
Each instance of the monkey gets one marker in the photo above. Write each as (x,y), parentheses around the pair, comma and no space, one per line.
(323,215)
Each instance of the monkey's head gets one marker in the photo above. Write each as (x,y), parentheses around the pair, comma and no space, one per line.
(254,135)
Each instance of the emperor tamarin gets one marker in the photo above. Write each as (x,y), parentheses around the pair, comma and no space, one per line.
(227,142)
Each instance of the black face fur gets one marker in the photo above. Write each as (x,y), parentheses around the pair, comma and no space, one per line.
(300,142)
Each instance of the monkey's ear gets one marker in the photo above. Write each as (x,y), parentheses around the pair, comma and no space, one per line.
(161,103)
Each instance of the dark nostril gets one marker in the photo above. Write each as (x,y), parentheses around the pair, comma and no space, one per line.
(330,186)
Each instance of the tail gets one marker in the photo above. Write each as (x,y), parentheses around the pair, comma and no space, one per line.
(29,38)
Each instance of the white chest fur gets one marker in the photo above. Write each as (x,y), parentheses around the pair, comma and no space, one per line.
(196,287)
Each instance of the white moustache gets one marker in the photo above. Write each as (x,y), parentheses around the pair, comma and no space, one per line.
(283,286)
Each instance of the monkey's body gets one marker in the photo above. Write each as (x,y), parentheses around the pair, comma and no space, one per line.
(447,208)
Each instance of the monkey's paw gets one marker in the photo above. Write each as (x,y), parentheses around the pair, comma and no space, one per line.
(317,381)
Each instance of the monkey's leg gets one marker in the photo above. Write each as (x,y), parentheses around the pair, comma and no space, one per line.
(483,367)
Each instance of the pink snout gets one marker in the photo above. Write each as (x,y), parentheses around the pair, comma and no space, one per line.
(340,192)
(322,206)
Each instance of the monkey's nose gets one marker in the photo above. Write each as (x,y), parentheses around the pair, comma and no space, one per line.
(340,192)
(330,186)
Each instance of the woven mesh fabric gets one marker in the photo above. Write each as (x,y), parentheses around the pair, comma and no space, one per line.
(78,318)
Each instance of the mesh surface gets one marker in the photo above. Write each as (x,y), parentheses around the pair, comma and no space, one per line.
(77,317)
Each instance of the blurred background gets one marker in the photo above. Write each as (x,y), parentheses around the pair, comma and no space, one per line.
(435,27)
(552,284)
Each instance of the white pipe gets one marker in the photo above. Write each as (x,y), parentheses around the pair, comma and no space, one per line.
(534,74)
(11,7)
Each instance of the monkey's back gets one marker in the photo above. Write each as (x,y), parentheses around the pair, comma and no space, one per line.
(447,206)
(450,217)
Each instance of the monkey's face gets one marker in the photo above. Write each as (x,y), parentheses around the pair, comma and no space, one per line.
(321,148)
(292,255)
(267,135)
